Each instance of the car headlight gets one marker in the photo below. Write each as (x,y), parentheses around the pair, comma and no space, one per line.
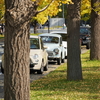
(36,57)
(56,50)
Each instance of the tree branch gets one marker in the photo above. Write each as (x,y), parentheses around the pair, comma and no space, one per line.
(21,15)
(46,6)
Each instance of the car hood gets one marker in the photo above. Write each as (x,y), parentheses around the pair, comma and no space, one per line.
(35,51)
(51,46)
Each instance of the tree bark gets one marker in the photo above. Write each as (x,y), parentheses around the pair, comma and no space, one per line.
(16,57)
(74,70)
(95,33)
(17,47)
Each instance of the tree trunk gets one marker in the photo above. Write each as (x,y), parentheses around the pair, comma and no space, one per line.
(16,72)
(74,70)
(35,26)
(17,48)
(95,34)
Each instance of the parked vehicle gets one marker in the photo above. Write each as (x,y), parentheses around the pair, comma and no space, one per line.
(85,36)
(38,56)
(55,49)
(64,38)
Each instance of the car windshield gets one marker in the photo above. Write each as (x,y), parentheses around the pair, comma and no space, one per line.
(34,43)
(50,39)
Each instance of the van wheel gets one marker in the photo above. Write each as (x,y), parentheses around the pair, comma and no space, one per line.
(59,61)
(88,45)
(63,61)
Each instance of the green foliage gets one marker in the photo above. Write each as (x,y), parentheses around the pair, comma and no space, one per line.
(52,10)
(56,87)
(85,9)
(97,7)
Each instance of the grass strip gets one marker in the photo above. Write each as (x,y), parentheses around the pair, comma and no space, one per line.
(55,86)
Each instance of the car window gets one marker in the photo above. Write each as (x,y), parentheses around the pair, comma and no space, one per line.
(50,39)
(34,43)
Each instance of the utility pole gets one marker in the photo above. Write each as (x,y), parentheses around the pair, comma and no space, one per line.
(48,24)
(63,10)
(63,16)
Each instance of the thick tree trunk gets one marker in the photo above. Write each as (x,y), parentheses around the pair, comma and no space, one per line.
(16,72)
(17,48)
(95,34)
(74,70)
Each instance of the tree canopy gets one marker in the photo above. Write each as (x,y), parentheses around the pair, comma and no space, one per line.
(86,8)
(54,6)
(46,8)
(52,10)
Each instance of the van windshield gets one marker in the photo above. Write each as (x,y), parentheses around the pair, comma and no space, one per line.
(50,39)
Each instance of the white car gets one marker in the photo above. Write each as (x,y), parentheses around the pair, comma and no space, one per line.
(55,49)
(38,56)
(64,38)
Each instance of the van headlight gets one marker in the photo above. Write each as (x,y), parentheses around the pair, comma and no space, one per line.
(56,51)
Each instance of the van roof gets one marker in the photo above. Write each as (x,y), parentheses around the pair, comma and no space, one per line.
(48,34)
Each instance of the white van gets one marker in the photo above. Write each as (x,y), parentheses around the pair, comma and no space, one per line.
(64,38)
(55,48)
